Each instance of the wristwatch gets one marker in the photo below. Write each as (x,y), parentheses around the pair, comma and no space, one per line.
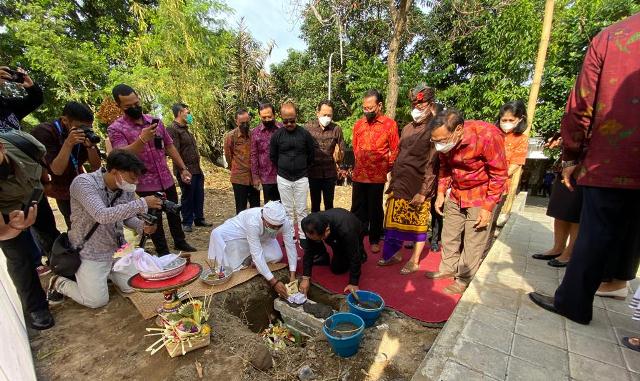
(569,163)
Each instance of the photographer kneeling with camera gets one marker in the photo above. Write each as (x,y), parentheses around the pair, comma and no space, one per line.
(105,197)
(70,142)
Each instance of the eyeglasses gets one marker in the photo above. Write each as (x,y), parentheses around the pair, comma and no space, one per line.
(289,121)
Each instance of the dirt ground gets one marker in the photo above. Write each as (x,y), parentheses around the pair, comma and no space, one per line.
(109,343)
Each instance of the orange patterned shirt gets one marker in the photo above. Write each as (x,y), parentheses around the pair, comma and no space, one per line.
(515,150)
(375,147)
(476,169)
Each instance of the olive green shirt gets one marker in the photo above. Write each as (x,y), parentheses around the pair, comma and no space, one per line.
(16,189)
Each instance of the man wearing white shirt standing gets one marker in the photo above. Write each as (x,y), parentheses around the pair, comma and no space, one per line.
(252,235)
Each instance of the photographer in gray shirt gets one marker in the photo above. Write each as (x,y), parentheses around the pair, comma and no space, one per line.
(108,198)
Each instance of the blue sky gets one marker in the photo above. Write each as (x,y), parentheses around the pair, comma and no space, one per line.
(269,20)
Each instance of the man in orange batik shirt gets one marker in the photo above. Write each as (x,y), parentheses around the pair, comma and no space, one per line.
(375,147)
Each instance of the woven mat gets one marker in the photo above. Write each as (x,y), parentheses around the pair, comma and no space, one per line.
(147,303)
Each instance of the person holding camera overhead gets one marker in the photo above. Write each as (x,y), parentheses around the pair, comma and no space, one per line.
(70,143)
(146,137)
(13,110)
(101,203)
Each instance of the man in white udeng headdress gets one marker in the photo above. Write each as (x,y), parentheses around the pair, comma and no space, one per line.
(251,235)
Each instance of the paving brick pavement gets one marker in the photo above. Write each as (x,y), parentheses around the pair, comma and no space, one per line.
(497,333)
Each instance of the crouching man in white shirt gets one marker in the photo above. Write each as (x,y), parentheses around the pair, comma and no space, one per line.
(251,237)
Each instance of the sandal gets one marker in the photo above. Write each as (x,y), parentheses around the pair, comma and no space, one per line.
(632,343)
(391,261)
(409,267)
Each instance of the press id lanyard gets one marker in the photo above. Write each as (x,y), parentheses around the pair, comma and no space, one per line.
(74,160)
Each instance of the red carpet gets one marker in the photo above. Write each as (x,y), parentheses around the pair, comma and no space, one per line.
(414,295)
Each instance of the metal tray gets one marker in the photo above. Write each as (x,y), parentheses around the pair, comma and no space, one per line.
(216,282)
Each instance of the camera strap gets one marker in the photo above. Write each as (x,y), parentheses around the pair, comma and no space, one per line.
(26,147)
(72,157)
(95,226)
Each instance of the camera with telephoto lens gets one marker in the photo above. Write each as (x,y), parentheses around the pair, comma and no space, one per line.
(90,134)
(168,206)
(147,218)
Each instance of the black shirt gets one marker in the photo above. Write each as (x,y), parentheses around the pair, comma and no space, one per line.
(292,152)
(13,110)
(345,239)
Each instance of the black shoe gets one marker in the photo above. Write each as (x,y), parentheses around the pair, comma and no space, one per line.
(41,320)
(547,303)
(203,223)
(545,257)
(184,246)
(556,263)
(53,296)
(187,228)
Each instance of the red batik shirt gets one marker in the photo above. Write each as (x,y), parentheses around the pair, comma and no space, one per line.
(476,169)
(605,105)
(375,147)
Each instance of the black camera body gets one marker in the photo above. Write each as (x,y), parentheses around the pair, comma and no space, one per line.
(168,206)
(148,218)
(90,134)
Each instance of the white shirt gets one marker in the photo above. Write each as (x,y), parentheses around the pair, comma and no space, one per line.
(248,225)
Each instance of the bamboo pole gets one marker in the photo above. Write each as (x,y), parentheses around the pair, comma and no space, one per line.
(533,94)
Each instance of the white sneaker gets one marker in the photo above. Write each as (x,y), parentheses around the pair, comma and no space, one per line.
(502,220)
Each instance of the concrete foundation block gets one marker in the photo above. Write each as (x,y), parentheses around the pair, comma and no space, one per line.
(296,318)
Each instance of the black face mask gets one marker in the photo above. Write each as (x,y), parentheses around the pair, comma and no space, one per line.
(5,169)
(371,116)
(244,126)
(269,123)
(134,112)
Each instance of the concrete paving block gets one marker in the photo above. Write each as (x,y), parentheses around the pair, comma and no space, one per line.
(595,349)
(430,368)
(454,372)
(622,321)
(632,359)
(542,271)
(599,328)
(481,358)
(490,336)
(586,369)
(540,354)
(494,317)
(542,329)
(520,370)
(618,306)
(296,318)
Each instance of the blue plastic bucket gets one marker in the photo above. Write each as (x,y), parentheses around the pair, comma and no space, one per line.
(344,344)
(368,315)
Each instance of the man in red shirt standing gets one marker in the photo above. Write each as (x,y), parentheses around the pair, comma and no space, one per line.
(473,165)
(601,149)
(375,147)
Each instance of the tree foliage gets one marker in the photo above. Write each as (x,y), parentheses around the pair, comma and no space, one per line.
(478,54)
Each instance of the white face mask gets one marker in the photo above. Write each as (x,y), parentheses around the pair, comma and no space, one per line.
(418,114)
(324,120)
(506,127)
(125,186)
(444,147)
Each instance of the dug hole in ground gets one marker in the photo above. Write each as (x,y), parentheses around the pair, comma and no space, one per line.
(109,344)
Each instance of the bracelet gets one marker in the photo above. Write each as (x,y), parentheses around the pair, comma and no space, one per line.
(143,142)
